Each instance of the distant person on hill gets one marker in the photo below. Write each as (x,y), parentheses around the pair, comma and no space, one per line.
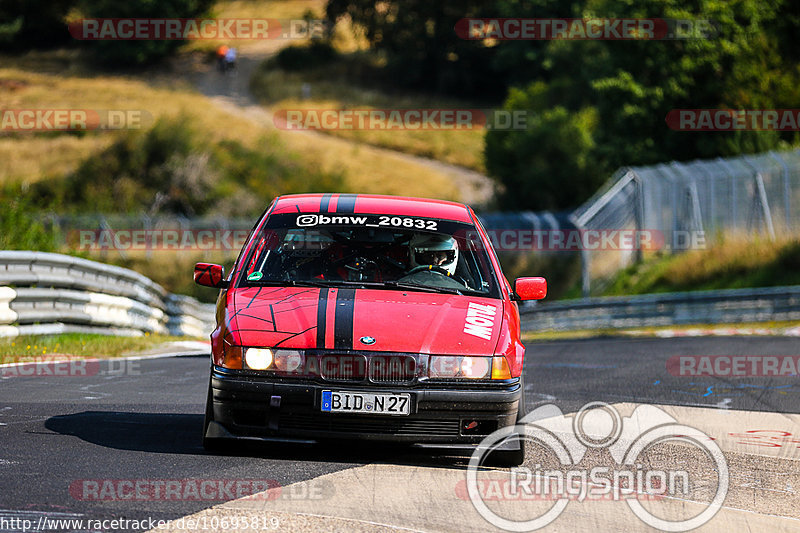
(222,52)
(230,59)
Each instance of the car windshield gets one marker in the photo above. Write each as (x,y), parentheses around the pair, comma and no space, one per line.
(376,251)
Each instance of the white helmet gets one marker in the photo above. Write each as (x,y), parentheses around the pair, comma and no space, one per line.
(434,250)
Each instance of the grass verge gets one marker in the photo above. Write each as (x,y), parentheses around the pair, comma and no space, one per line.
(61,80)
(733,262)
(82,345)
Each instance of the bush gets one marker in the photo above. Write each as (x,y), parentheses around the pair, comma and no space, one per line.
(134,53)
(295,58)
(562,270)
(548,165)
(34,23)
(21,229)
(174,168)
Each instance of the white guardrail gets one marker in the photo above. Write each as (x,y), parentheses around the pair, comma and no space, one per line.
(730,306)
(46,293)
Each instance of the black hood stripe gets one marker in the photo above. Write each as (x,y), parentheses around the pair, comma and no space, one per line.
(322,306)
(323,203)
(346,203)
(343,320)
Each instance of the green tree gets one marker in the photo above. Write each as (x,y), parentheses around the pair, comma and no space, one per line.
(630,86)
(33,23)
(418,41)
(133,53)
(549,164)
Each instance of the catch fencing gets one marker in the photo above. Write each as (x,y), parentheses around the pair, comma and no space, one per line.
(674,206)
(690,205)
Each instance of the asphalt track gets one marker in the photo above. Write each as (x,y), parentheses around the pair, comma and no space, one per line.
(141,420)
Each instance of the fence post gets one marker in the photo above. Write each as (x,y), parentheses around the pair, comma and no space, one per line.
(732,174)
(787,191)
(762,193)
(582,221)
(761,197)
(638,212)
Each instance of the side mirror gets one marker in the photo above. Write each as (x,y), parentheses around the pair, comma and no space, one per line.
(530,288)
(209,275)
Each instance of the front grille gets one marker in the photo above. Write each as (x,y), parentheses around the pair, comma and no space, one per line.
(342,367)
(386,369)
(392,368)
(370,424)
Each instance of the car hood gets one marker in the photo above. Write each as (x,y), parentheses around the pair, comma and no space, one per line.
(365,319)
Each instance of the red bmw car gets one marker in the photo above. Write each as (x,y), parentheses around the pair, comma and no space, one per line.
(368,317)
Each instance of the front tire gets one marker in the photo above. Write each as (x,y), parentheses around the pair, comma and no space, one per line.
(210,444)
(510,458)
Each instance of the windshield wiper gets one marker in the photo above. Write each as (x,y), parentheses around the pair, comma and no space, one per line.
(422,288)
(362,284)
(290,283)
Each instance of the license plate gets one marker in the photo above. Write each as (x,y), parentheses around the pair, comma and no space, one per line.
(366,403)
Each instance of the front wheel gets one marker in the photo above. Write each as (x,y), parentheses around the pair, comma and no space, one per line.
(210,444)
(513,457)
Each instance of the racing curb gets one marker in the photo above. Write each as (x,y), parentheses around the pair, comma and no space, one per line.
(725,331)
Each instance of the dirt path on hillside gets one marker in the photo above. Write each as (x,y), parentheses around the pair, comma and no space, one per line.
(231,93)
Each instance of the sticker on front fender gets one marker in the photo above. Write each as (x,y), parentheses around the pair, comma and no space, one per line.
(366,403)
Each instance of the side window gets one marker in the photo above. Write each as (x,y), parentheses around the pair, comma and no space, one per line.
(259,247)
(267,240)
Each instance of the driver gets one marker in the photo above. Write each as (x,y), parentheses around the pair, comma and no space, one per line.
(434,250)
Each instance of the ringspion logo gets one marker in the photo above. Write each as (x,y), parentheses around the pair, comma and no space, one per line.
(596,426)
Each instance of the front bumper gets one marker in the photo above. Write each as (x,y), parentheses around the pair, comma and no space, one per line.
(273,408)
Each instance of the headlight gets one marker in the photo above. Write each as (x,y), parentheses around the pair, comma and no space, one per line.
(258,358)
(288,361)
(456,366)
(281,361)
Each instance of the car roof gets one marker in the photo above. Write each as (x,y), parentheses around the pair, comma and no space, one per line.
(373,204)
